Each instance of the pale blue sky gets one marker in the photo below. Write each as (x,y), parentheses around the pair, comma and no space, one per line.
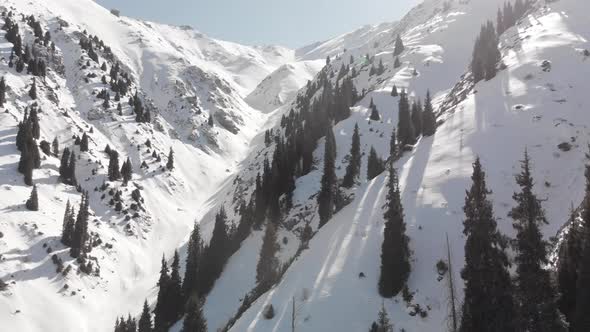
(292,23)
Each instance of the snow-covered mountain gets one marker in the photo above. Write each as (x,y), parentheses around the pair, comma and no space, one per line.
(187,79)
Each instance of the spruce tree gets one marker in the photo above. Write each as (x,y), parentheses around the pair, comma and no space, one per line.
(375,165)
(33,201)
(354,164)
(84,143)
(375,116)
(114,173)
(68,225)
(328,193)
(176,298)
(145,321)
(71,170)
(428,118)
(397,63)
(161,322)
(194,320)
(417,118)
(216,254)
(191,284)
(2,92)
(581,319)
(405,128)
(570,252)
(536,296)
(170,163)
(55,147)
(393,146)
(488,305)
(33,90)
(383,324)
(394,92)
(79,245)
(268,264)
(399,46)
(395,253)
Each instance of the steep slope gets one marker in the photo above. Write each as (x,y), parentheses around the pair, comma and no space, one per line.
(183,78)
(489,122)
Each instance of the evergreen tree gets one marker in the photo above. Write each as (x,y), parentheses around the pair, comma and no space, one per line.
(71,170)
(537,305)
(417,118)
(170,163)
(570,253)
(33,201)
(26,164)
(393,146)
(145,321)
(581,319)
(375,164)
(268,264)
(191,284)
(55,147)
(33,90)
(399,46)
(383,324)
(375,116)
(405,128)
(114,173)
(354,164)
(394,92)
(395,253)
(194,320)
(488,305)
(68,225)
(126,171)
(2,92)
(79,245)
(84,143)
(428,118)
(397,63)
(161,311)
(328,192)
(34,123)
(210,120)
(216,254)
(176,298)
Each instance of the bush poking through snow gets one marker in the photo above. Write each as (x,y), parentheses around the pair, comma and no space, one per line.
(269,312)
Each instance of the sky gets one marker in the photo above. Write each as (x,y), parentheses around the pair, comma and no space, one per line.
(291,23)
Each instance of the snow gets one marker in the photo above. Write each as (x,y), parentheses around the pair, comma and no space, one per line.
(188,76)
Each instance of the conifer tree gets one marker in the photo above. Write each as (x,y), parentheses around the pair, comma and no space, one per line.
(216,254)
(114,173)
(375,164)
(394,92)
(570,252)
(428,118)
(581,319)
(176,298)
(354,164)
(33,90)
(375,116)
(191,284)
(328,193)
(417,118)
(170,163)
(71,170)
(393,146)
(68,225)
(194,320)
(2,92)
(79,245)
(145,321)
(405,128)
(488,305)
(383,324)
(397,63)
(395,253)
(33,201)
(399,46)
(26,164)
(84,143)
(55,147)
(34,123)
(210,120)
(161,322)
(536,296)
(268,264)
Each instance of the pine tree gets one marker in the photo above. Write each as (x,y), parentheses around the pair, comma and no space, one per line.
(375,116)
(55,147)
(375,164)
(417,118)
(399,46)
(395,254)
(114,173)
(84,143)
(488,305)
(161,322)
(268,264)
(210,120)
(2,92)
(397,63)
(537,305)
(394,92)
(354,164)
(383,324)
(26,164)
(428,118)
(581,319)
(68,225)
(194,320)
(191,284)
(170,163)
(405,128)
(33,201)
(328,193)
(145,321)
(176,298)
(34,123)
(393,146)
(79,245)
(126,171)
(570,253)
(216,254)
(33,90)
